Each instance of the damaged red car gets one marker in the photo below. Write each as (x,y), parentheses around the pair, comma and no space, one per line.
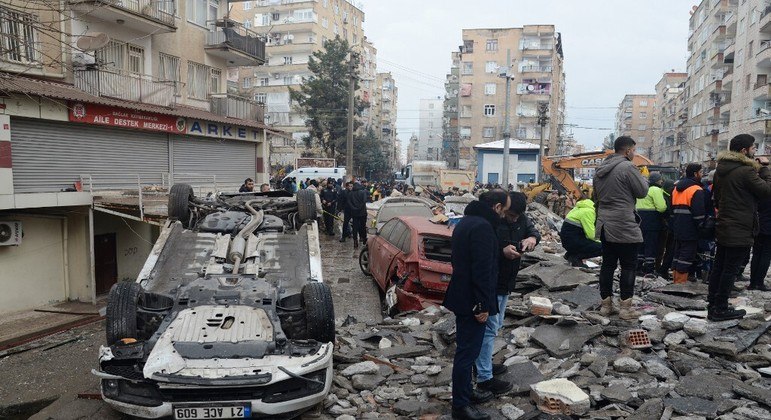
(409,258)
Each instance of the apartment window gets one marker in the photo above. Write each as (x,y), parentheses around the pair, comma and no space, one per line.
(465,111)
(468,67)
(248,24)
(490,88)
(168,68)
(276,16)
(247,5)
(747,82)
(216,80)
(488,132)
(642,127)
(288,60)
(325,3)
(754,15)
(264,81)
(325,23)
(336,30)
(287,80)
(749,48)
(465,132)
(489,110)
(18,37)
(122,56)
(527,158)
(198,80)
(643,115)
(303,15)
(643,103)
(491,67)
(468,46)
(201,11)
(265,19)
(136,59)
(491,45)
(247,83)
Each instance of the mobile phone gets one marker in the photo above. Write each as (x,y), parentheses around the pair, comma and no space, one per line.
(477,309)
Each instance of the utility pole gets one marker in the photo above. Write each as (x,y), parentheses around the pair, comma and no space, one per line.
(506,128)
(351,101)
(543,109)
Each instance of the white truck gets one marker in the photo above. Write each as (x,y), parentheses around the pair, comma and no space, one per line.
(425,173)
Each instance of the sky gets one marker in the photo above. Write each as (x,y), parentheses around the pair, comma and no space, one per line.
(611,48)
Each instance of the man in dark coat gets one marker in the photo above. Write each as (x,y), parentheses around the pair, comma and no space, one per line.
(329,205)
(342,205)
(761,249)
(471,294)
(687,215)
(739,184)
(516,234)
(357,201)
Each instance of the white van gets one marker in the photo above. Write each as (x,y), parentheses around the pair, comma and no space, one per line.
(316,173)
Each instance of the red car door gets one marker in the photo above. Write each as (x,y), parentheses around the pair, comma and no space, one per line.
(377,261)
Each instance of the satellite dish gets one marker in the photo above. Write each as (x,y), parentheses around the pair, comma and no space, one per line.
(530,88)
(92,41)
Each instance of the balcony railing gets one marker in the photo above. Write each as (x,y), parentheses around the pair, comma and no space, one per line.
(119,84)
(542,69)
(230,34)
(162,11)
(232,106)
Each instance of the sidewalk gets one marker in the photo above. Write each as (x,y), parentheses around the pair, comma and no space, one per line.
(19,328)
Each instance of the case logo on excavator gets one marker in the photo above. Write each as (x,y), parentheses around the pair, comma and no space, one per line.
(590,162)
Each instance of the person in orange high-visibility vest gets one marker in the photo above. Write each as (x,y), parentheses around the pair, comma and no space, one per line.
(687,214)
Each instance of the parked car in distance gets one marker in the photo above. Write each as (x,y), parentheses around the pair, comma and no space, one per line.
(401,206)
(409,259)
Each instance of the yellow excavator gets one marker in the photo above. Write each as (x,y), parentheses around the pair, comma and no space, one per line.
(558,170)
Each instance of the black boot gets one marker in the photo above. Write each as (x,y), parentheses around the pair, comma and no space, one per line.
(725,314)
(469,412)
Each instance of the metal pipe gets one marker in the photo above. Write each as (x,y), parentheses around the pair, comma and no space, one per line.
(506,128)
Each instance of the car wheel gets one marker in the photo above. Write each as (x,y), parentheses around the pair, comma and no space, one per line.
(364,261)
(121,317)
(179,203)
(319,312)
(306,205)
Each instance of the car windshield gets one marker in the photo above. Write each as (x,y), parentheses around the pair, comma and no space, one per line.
(437,249)
(388,212)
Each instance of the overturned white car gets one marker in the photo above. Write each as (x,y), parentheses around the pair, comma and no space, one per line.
(229,317)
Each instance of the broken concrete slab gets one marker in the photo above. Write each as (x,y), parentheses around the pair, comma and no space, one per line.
(706,385)
(693,405)
(584,297)
(556,275)
(759,395)
(561,341)
(677,302)
(689,289)
(651,409)
(400,352)
(616,394)
(560,396)
(741,340)
(521,376)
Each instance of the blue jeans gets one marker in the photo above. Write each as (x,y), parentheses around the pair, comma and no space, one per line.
(484,362)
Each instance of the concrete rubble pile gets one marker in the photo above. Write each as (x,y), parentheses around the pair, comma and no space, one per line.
(547,223)
(564,359)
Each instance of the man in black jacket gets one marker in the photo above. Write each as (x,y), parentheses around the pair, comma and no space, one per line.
(761,249)
(329,205)
(357,201)
(516,234)
(342,205)
(471,293)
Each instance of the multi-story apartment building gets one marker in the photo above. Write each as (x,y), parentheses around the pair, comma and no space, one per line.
(749,109)
(667,133)
(536,61)
(429,146)
(634,118)
(411,146)
(450,136)
(710,80)
(294,29)
(100,96)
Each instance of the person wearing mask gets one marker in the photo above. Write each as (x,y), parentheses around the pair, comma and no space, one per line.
(761,249)
(687,215)
(471,294)
(650,209)
(357,201)
(577,233)
(247,186)
(516,235)
(329,204)
(617,185)
(740,183)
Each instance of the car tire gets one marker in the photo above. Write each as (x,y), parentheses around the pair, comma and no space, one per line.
(121,317)
(306,205)
(364,262)
(319,312)
(180,196)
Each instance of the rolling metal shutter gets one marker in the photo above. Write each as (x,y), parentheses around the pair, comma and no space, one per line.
(196,160)
(50,156)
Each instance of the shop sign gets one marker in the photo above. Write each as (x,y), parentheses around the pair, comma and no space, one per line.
(222,131)
(125,118)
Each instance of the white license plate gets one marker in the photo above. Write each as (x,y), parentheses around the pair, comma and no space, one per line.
(214,412)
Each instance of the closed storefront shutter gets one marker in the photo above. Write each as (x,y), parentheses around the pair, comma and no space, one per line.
(197,160)
(51,156)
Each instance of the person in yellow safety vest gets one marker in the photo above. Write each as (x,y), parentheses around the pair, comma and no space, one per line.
(651,208)
(688,210)
(577,233)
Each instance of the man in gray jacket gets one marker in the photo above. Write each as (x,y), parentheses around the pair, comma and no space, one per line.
(617,186)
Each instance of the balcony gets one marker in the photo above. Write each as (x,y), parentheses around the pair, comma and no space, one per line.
(763,56)
(118,84)
(536,69)
(719,32)
(145,16)
(765,20)
(233,106)
(537,48)
(761,90)
(283,47)
(232,42)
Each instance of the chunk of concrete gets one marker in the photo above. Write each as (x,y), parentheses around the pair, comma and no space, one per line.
(362,368)
(521,376)
(540,305)
(693,406)
(626,364)
(557,276)
(706,385)
(553,337)
(583,297)
(560,396)
(616,394)
(759,395)
(650,409)
(677,302)
(674,321)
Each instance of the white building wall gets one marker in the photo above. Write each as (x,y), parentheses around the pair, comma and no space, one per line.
(493,163)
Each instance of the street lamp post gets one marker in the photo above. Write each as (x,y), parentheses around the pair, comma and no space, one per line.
(506,72)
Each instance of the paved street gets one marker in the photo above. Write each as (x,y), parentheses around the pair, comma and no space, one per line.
(58,373)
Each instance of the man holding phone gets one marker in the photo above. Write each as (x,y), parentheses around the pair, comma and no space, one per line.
(471,294)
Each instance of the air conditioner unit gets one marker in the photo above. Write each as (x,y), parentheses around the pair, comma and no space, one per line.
(10,233)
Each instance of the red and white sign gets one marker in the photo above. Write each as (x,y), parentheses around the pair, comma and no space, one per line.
(125,118)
